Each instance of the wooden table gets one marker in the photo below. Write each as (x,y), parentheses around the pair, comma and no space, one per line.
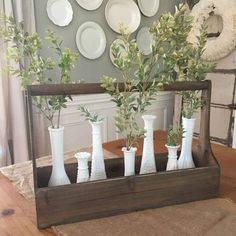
(18,214)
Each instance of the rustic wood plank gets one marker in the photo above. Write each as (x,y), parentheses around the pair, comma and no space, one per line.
(123,195)
(177,111)
(95,88)
(203,148)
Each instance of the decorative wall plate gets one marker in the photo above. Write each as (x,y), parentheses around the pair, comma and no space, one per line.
(149,7)
(144,41)
(91,40)
(122,12)
(60,12)
(122,49)
(90,5)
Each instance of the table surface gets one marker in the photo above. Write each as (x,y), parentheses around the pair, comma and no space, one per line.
(18,214)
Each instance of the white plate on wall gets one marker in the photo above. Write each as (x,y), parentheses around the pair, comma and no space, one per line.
(122,12)
(144,41)
(122,49)
(91,40)
(59,12)
(90,5)
(149,8)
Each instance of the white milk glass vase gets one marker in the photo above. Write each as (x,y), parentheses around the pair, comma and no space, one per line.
(148,164)
(129,161)
(172,163)
(58,175)
(98,171)
(82,170)
(186,160)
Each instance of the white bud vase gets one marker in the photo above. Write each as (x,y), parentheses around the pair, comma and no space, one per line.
(172,163)
(186,160)
(82,170)
(98,166)
(58,175)
(148,164)
(129,161)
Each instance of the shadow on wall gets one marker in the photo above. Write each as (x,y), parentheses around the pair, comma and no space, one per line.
(191,3)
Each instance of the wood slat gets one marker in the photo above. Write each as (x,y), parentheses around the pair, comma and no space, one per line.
(123,195)
(95,88)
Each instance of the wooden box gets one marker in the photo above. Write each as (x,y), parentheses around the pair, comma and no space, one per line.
(118,194)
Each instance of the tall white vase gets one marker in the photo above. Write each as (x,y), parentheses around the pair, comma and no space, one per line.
(172,163)
(82,170)
(186,160)
(129,160)
(98,166)
(58,175)
(148,164)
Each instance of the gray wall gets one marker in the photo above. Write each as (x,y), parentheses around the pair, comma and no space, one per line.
(89,70)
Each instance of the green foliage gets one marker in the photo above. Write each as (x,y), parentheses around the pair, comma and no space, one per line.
(191,103)
(174,137)
(170,34)
(67,58)
(144,76)
(139,88)
(196,71)
(25,49)
(181,56)
(88,116)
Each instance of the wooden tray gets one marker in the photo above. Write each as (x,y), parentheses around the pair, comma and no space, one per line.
(119,194)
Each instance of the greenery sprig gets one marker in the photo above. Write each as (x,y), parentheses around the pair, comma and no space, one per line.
(88,115)
(174,136)
(24,48)
(144,76)
(139,88)
(182,57)
(196,71)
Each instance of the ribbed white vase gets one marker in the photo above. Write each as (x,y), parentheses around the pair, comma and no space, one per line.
(172,163)
(58,175)
(186,160)
(98,166)
(129,160)
(148,164)
(82,170)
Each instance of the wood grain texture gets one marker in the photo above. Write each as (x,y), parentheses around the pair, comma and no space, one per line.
(95,88)
(76,202)
(177,111)
(17,215)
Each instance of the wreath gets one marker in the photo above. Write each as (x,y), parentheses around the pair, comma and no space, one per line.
(224,44)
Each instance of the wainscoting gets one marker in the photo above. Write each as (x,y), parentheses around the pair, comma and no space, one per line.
(78,131)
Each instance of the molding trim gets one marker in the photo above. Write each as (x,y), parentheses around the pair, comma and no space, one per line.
(77,132)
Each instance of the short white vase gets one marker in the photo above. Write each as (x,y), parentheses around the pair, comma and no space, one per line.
(172,163)
(98,171)
(58,175)
(186,160)
(82,170)
(148,164)
(129,161)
